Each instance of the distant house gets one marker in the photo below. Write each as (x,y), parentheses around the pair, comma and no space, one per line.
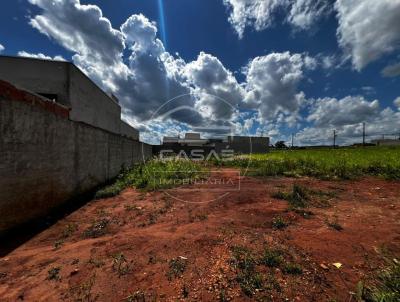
(239,144)
(386,142)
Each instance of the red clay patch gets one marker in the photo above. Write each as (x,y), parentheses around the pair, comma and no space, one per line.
(121,249)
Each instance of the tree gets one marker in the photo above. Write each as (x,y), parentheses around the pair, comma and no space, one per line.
(280,145)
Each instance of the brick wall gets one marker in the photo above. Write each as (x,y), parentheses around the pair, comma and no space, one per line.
(47,159)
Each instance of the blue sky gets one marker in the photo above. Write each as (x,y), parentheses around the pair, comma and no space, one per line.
(284,65)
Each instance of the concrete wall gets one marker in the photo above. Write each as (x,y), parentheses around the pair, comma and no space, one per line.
(129,131)
(88,103)
(47,159)
(23,73)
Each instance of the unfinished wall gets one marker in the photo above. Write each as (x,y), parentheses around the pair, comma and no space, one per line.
(47,159)
(23,73)
(88,103)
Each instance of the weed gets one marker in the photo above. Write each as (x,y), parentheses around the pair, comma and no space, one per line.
(83,292)
(69,230)
(138,296)
(58,244)
(54,274)
(177,267)
(387,285)
(298,198)
(97,229)
(292,269)
(271,257)
(121,265)
(279,223)
(247,276)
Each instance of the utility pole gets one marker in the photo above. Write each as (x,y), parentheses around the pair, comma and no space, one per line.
(334,139)
(363,134)
(292,140)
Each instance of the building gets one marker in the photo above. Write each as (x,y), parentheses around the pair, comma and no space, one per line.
(386,142)
(190,139)
(239,144)
(63,83)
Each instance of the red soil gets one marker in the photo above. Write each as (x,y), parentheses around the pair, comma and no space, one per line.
(150,229)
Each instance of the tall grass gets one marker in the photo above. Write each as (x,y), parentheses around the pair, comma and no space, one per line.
(346,163)
(155,174)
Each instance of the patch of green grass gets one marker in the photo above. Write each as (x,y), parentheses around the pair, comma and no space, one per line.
(387,287)
(248,278)
(279,223)
(97,229)
(154,175)
(271,257)
(298,198)
(342,163)
(292,269)
(54,273)
(177,267)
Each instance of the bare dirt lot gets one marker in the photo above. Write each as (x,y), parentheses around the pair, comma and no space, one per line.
(247,246)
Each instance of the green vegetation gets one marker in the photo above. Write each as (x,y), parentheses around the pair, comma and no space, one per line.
(245,263)
(272,258)
(97,229)
(54,273)
(153,175)
(387,287)
(343,163)
(299,197)
(177,267)
(292,268)
(279,223)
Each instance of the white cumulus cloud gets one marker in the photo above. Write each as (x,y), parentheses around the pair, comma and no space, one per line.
(39,56)
(368,29)
(260,14)
(272,83)
(1,48)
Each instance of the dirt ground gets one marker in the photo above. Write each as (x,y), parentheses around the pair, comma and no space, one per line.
(152,247)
